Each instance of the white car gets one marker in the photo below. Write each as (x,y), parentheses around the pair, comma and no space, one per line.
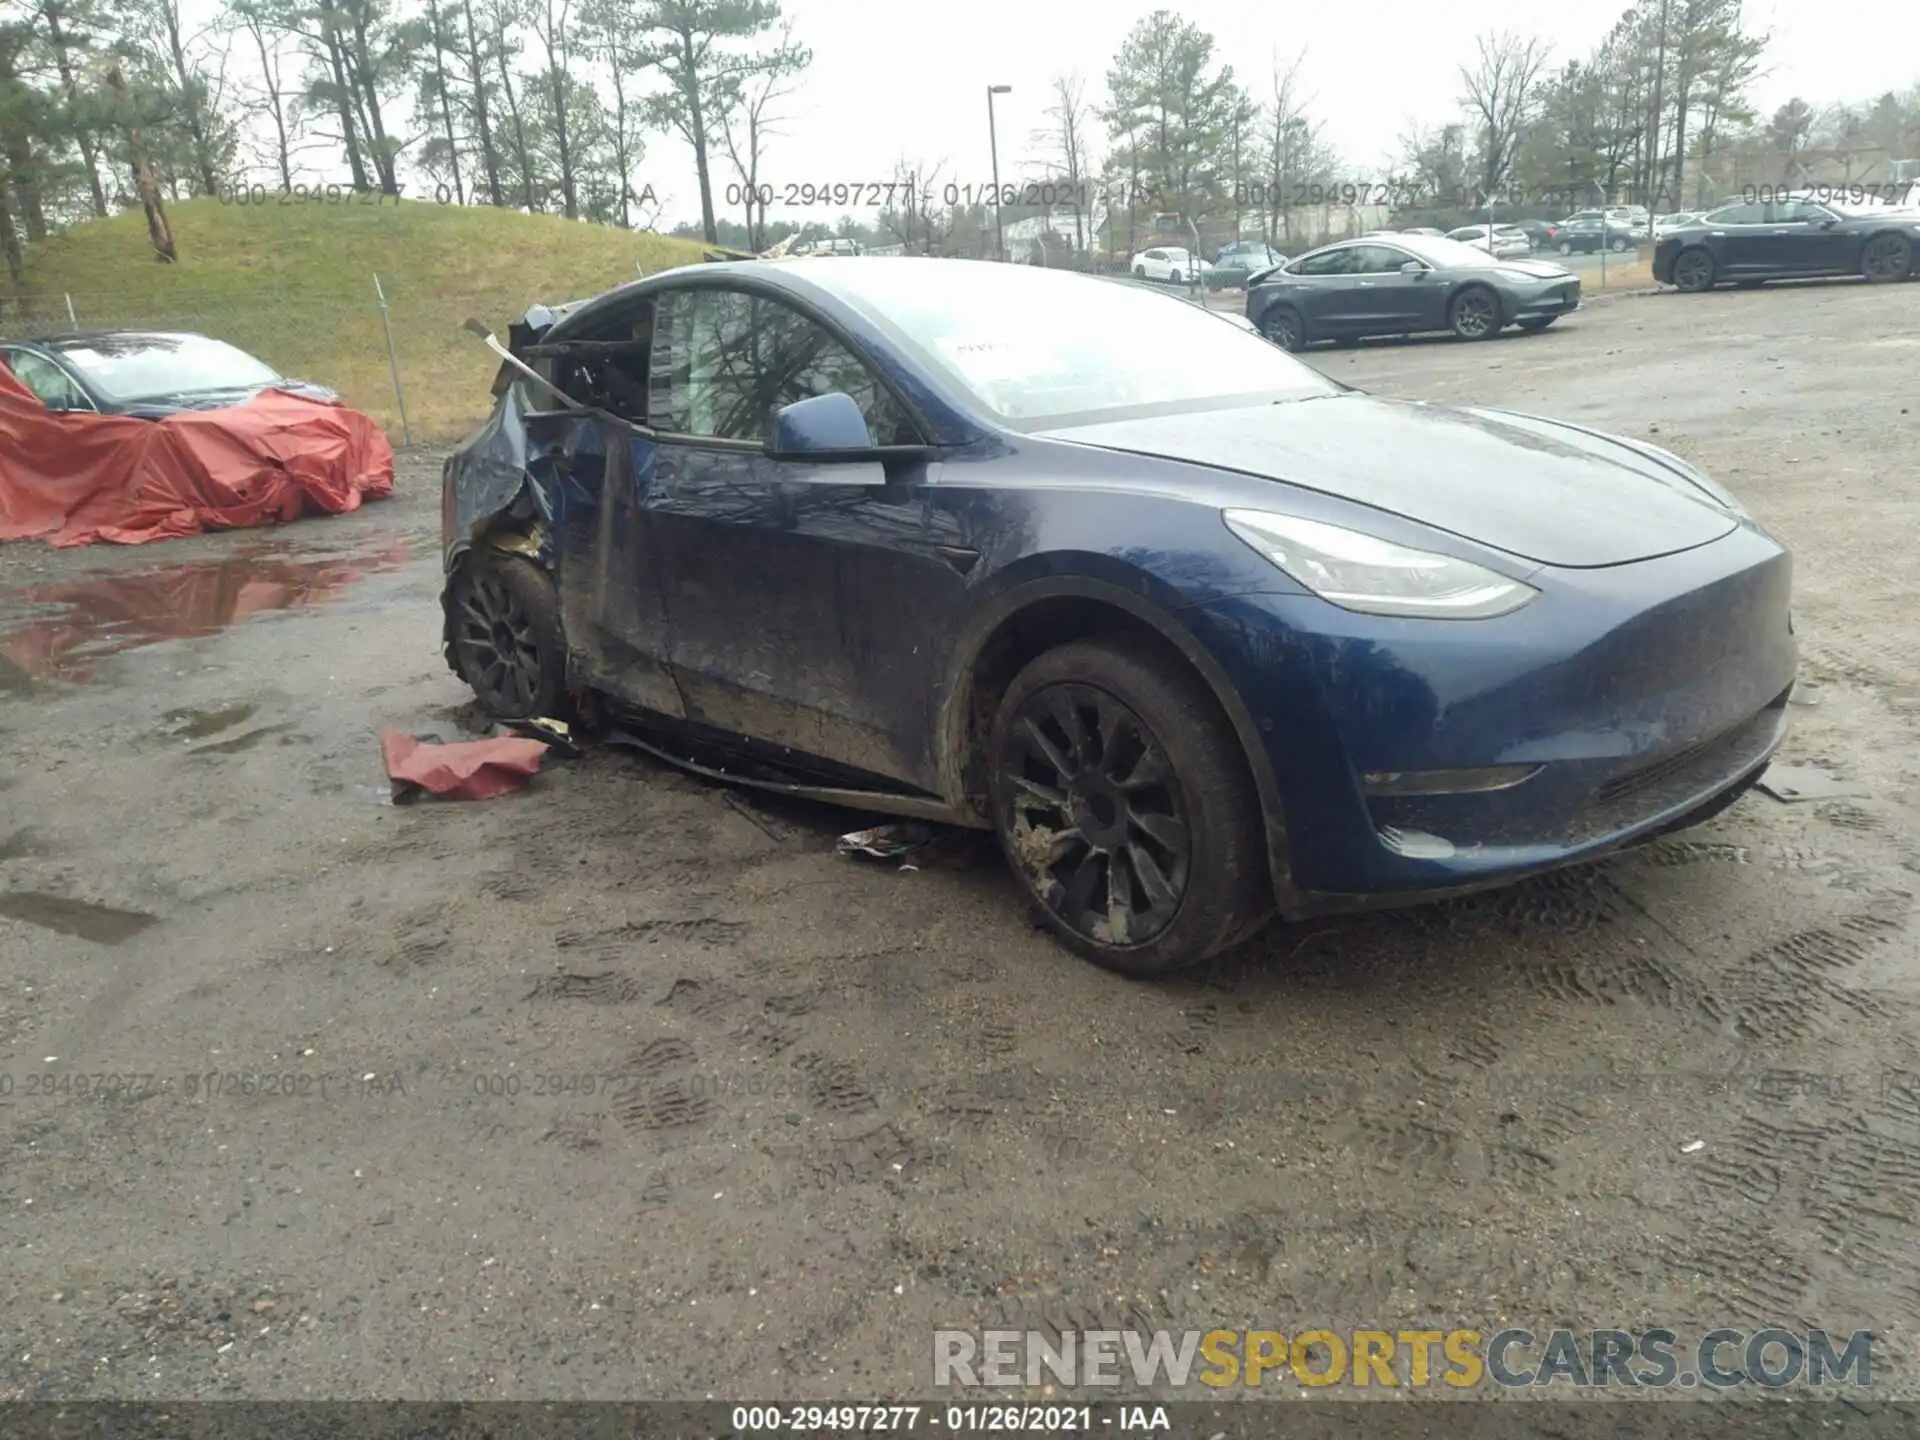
(1168,262)
(1678,220)
(1503,242)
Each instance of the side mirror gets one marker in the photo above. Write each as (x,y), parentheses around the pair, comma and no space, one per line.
(825,425)
(1413,268)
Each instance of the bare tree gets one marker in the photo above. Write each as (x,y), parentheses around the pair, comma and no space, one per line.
(1069,164)
(1284,128)
(748,119)
(1500,95)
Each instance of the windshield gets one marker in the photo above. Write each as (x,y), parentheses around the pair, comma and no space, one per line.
(1032,344)
(145,367)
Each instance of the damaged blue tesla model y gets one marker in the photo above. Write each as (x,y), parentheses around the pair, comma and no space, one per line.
(1203,635)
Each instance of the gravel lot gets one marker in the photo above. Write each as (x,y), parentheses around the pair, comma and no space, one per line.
(877,1102)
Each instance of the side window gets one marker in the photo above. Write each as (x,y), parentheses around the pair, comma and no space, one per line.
(1754,214)
(1377,260)
(724,361)
(1799,212)
(47,380)
(1328,262)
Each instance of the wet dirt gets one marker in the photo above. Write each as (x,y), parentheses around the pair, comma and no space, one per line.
(102,924)
(687,1105)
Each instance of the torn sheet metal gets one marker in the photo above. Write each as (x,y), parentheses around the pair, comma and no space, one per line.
(1792,784)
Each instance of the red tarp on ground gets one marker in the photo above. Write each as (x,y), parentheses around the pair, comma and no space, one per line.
(74,478)
(465,770)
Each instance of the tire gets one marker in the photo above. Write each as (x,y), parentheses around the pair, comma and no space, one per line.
(1475,314)
(1616,245)
(1537,323)
(1066,803)
(1693,271)
(1139,272)
(1886,259)
(1566,247)
(503,624)
(1176,278)
(1284,327)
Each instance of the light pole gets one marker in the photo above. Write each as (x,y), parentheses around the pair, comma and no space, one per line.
(993,147)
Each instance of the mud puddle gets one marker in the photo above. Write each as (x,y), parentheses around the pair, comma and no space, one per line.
(111,614)
(102,924)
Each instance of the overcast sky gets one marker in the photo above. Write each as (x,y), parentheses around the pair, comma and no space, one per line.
(888,81)
(891,80)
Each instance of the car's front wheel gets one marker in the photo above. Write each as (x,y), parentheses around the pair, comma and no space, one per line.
(1139,272)
(1124,807)
(1616,244)
(1177,278)
(1475,313)
(1566,247)
(503,622)
(1693,271)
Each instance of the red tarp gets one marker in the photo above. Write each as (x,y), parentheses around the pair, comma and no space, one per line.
(466,770)
(74,478)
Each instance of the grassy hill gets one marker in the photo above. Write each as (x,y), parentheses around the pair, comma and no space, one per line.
(294,284)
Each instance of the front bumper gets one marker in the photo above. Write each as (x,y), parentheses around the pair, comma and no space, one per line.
(1643,693)
(1559,297)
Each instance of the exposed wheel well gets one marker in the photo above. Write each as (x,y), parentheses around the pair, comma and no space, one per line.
(1029,633)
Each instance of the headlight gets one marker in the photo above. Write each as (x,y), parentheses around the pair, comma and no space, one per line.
(1376,577)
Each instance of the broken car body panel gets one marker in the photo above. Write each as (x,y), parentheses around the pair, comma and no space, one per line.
(846,620)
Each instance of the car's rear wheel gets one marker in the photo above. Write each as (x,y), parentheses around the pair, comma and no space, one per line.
(1617,244)
(1886,258)
(1124,807)
(1537,323)
(1283,326)
(1693,271)
(1475,313)
(1566,247)
(508,643)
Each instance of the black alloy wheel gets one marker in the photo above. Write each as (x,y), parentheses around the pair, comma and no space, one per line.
(503,621)
(1475,314)
(1124,807)
(1283,327)
(1886,258)
(1693,271)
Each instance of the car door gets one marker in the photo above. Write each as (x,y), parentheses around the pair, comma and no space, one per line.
(802,599)
(1384,301)
(1153,265)
(1805,239)
(1319,287)
(1738,239)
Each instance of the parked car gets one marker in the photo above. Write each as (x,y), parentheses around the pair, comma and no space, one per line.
(1541,234)
(1504,241)
(1751,242)
(1200,641)
(1170,263)
(1679,219)
(144,373)
(833,245)
(1414,283)
(1235,263)
(1424,230)
(1587,235)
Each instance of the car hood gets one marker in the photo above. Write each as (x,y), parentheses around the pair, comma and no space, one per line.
(1539,269)
(1546,492)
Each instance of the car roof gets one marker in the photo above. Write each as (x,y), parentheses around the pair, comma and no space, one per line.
(79,339)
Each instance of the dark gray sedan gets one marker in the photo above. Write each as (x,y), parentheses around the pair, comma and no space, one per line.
(1403,286)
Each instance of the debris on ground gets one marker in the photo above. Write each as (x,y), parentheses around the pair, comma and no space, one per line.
(468,770)
(887,842)
(556,735)
(918,845)
(1790,784)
